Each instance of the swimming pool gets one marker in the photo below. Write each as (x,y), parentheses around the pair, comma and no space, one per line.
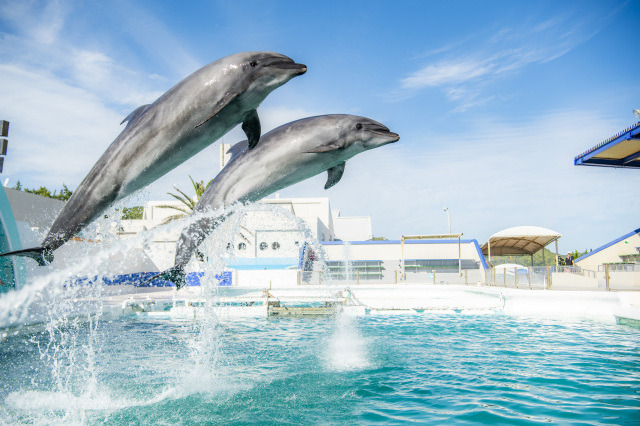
(429,368)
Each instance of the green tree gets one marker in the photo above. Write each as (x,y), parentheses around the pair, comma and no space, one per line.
(64,195)
(132,213)
(187,202)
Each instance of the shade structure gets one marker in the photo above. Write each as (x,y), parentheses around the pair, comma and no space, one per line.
(519,240)
(621,150)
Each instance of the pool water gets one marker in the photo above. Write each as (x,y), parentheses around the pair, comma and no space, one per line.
(428,368)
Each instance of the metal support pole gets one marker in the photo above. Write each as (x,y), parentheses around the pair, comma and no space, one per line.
(459,256)
(434,276)
(548,277)
(606,278)
(357,276)
(402,276)
(557,262)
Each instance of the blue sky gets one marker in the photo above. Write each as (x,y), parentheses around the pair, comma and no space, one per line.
(492,100)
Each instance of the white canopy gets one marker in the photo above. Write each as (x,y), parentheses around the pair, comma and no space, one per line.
(519,240)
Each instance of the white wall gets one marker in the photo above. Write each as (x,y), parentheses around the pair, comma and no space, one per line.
(351,228)
(380,250)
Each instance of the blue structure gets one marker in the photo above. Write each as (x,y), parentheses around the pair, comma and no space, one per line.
(11,269)
(621,150)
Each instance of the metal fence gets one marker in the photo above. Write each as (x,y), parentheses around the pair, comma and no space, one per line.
(608,277)
(467,277)
(614,277)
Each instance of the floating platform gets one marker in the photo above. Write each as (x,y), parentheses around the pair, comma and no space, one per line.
(628,316)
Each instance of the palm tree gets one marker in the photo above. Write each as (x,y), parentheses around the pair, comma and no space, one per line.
(188,205)
(188,202)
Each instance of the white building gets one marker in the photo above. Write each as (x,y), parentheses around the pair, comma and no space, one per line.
(268,236)
(625,249)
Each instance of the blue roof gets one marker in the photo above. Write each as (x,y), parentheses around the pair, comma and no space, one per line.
(620,150)
(609,244)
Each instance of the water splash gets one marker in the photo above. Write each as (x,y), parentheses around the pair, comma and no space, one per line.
(346,349)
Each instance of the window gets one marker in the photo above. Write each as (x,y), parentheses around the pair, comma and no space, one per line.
(275,245)
(242,246)
(263,246)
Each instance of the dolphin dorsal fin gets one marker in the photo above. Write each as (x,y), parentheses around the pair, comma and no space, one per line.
(135,114)
(335,174)
(237,148)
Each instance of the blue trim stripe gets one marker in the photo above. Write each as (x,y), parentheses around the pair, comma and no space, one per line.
(479,249)
(355,243)
(609,244)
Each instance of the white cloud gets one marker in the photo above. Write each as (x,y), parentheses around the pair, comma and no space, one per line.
(38,21)
(471,66)
(57,130)
(445,73)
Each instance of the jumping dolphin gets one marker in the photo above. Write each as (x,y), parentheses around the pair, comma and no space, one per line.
(158,137)
(285,156)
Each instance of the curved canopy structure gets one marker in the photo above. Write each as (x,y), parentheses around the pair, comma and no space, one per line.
(519,240)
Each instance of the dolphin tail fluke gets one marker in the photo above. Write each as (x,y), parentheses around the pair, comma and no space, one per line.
(41,255)
(176,275)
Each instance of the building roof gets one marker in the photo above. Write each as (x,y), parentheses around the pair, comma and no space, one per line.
(519,240)
(620,150)
(609,244)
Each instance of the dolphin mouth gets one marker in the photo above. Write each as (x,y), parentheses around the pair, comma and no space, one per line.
(393,137)
(298,69)
(383,131)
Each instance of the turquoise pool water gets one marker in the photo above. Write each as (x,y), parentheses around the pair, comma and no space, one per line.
(426,368)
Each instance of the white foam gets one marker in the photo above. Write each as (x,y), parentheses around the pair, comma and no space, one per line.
(347,349)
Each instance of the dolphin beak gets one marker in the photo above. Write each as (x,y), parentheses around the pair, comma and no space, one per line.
(393,136)
(383,131)
(285,63)
(298,69)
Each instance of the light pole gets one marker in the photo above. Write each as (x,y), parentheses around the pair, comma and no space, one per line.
(446,209)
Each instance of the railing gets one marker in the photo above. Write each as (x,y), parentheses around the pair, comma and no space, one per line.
(616,277)
(440,276)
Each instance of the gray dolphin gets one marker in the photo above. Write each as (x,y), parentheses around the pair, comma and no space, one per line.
(285,156)
(158,137)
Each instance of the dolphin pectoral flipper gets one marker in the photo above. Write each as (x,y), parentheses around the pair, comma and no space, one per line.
(251,127)
(135,114)
(228,98)
(335,174)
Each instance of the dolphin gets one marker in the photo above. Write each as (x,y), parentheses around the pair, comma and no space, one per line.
(160,136)
(285,156)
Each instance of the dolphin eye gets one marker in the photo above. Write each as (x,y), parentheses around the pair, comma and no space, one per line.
(253,63)
(359,126)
